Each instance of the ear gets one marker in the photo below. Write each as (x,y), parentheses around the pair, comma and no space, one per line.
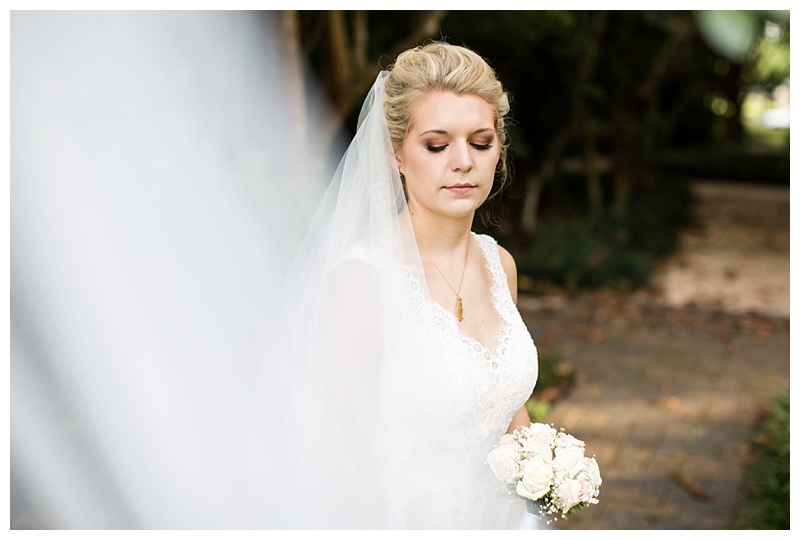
(399,159)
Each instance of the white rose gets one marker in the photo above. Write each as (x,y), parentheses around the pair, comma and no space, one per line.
(592,471)
(503,462)
(565,439)
(537,475)
(539,440)
(539,430)
(568,459)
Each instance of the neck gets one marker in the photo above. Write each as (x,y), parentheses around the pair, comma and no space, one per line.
(441,236)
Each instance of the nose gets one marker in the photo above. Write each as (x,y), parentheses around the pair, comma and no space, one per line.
(461,159)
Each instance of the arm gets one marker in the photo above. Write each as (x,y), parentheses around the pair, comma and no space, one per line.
(352,348)
(521,417)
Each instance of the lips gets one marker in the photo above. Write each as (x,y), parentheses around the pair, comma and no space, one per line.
(460,188)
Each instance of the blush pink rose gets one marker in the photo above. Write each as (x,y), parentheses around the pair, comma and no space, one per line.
(539,441)
(573,492)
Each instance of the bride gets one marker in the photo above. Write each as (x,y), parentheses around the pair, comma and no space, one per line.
(141,277)
(397,346)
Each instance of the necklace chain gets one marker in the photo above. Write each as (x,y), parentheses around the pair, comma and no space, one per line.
(459,305)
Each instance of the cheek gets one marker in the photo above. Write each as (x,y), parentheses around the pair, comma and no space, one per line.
(422,166)
(490,167)
(495,159)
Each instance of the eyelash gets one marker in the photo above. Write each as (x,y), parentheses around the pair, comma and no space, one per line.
(437,149)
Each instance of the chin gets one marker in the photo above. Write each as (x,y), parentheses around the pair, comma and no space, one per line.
(461,211)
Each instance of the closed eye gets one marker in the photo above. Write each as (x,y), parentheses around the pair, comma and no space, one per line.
(436,149)
(486,146)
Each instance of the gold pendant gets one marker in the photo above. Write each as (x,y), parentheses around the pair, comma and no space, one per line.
(459,309)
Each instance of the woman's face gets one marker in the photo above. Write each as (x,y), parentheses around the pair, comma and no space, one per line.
(449,155)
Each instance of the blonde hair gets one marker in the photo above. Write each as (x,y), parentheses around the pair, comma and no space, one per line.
(441,66)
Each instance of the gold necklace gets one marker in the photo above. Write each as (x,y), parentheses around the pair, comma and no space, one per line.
(459,305)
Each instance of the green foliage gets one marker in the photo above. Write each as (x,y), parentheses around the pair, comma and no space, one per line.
(771,63)
(554,378)
(617,250)
(737,35)
(552,372)
(581,255)
(537,410)
(765,503)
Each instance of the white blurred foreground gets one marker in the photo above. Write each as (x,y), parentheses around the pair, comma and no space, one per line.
(155,203)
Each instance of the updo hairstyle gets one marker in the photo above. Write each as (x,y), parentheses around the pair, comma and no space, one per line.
(441,66)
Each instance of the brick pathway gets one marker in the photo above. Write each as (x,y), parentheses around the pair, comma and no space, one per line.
(666,399)
(670,382)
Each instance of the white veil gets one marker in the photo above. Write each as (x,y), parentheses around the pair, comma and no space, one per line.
(154,211)
(156,206)
(156,203)
(324,350)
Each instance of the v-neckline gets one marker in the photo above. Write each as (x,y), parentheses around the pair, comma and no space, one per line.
(493,293)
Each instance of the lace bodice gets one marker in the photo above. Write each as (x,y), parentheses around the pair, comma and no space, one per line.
(445,401)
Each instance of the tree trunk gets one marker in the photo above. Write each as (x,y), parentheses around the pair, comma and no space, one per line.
(594,188)
(536,182)
(349,74)
(294,74)
(341,72)
(585,119)
(530,205)
(626,153)
(628,138)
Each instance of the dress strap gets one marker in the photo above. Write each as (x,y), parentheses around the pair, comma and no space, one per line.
(501,295)
(491,255)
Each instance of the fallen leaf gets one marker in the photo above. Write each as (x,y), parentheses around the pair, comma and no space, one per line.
(688,483)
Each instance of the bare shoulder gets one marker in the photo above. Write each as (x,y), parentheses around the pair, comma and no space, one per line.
(510,268)
(507,260)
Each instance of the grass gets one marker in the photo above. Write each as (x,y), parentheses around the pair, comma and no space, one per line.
(764,502)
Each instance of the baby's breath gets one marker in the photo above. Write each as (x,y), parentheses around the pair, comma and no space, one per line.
(583,474)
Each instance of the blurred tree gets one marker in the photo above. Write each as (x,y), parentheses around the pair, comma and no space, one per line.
(603,95)
(636,62)
(546,60)
(287,22)
(596,93)
(770,66)
(337,43)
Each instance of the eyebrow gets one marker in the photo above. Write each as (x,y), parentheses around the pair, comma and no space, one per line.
(443,132)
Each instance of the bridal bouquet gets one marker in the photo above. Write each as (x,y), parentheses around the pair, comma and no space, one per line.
(548,469)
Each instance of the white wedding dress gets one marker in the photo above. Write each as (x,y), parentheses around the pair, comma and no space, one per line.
(444,400)
(377,410)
